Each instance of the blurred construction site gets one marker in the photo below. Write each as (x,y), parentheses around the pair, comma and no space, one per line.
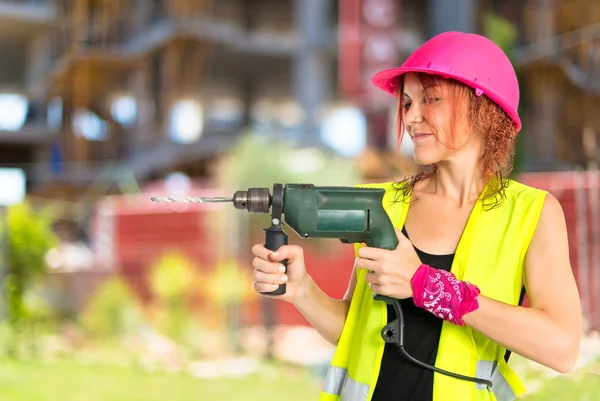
(105,103)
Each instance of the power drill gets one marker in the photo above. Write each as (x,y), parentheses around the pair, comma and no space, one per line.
(350,214)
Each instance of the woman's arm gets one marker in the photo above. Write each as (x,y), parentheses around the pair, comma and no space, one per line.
(326,315)
(548,332)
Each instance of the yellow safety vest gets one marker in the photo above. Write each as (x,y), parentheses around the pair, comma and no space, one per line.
(490,254)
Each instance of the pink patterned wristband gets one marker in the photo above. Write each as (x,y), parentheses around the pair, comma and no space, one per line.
(442,294)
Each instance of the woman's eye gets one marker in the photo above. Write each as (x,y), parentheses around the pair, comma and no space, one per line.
(407,106)
(433,99)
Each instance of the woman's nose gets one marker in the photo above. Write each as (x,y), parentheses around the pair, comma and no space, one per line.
(413,114)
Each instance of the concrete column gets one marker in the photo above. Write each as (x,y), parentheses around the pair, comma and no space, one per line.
(541,134)
(452,15)
(541,137)
(38,56)
(310,74)
(141,136)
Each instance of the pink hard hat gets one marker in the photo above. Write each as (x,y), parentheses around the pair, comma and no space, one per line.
(469,58)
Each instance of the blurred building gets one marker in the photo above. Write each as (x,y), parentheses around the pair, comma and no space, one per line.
(114,90)
(97,96)
(558,60)
(146,87)
(23,132)
(96,91)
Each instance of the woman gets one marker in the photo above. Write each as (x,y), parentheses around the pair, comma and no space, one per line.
(470,243)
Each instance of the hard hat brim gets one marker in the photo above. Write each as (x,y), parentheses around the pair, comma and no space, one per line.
(387,80)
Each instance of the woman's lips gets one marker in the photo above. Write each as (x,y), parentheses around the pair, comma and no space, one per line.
(420,135)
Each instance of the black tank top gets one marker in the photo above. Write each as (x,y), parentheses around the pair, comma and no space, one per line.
(402,380)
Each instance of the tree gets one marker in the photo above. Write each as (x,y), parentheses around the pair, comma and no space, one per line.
(27,237)
(30,237)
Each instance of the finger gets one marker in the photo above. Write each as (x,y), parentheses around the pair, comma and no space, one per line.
(289,252)
(267,267)
(265,278)
(370,253)
(401,237)
(262,287)
(375,287)
(260,251)
(371,278)
(366,264)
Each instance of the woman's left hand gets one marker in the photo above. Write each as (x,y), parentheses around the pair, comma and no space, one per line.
(390,271)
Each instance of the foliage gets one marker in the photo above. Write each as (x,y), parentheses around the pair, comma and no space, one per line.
(172,278)
(29,238)
(112,311)
(24,338)
(500,30)
(175,283)
(261,161)
(26,315)
(577,387)
(230,285)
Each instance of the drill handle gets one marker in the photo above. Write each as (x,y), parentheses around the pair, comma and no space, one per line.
(382,235)
(275,237)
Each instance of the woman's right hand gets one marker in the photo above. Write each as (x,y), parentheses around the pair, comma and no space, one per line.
(269,272)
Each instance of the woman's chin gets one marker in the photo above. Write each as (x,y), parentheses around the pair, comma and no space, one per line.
(425,158)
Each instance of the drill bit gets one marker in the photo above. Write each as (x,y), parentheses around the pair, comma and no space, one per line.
(254,200)
(189,199)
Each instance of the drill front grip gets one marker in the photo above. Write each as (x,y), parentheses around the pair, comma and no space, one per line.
(275,237)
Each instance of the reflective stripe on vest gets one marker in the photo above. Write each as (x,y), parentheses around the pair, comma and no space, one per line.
(338,382)
(490,253)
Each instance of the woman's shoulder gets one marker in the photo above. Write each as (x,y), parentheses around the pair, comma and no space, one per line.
(551,206)
(536,200)
(519,189)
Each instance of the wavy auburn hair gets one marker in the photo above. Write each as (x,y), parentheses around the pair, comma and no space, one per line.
(487,119)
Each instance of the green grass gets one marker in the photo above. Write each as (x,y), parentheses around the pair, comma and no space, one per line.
(69,381)
(581,387)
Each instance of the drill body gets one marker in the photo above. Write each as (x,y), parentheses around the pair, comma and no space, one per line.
(349,214)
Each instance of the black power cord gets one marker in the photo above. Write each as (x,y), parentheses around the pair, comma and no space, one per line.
(394,333)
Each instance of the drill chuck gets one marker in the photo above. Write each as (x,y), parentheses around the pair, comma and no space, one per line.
(254,200)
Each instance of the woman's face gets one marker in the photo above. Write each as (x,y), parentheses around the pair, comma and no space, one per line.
(437,130)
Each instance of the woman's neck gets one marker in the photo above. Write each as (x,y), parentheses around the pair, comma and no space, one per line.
(459,183)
